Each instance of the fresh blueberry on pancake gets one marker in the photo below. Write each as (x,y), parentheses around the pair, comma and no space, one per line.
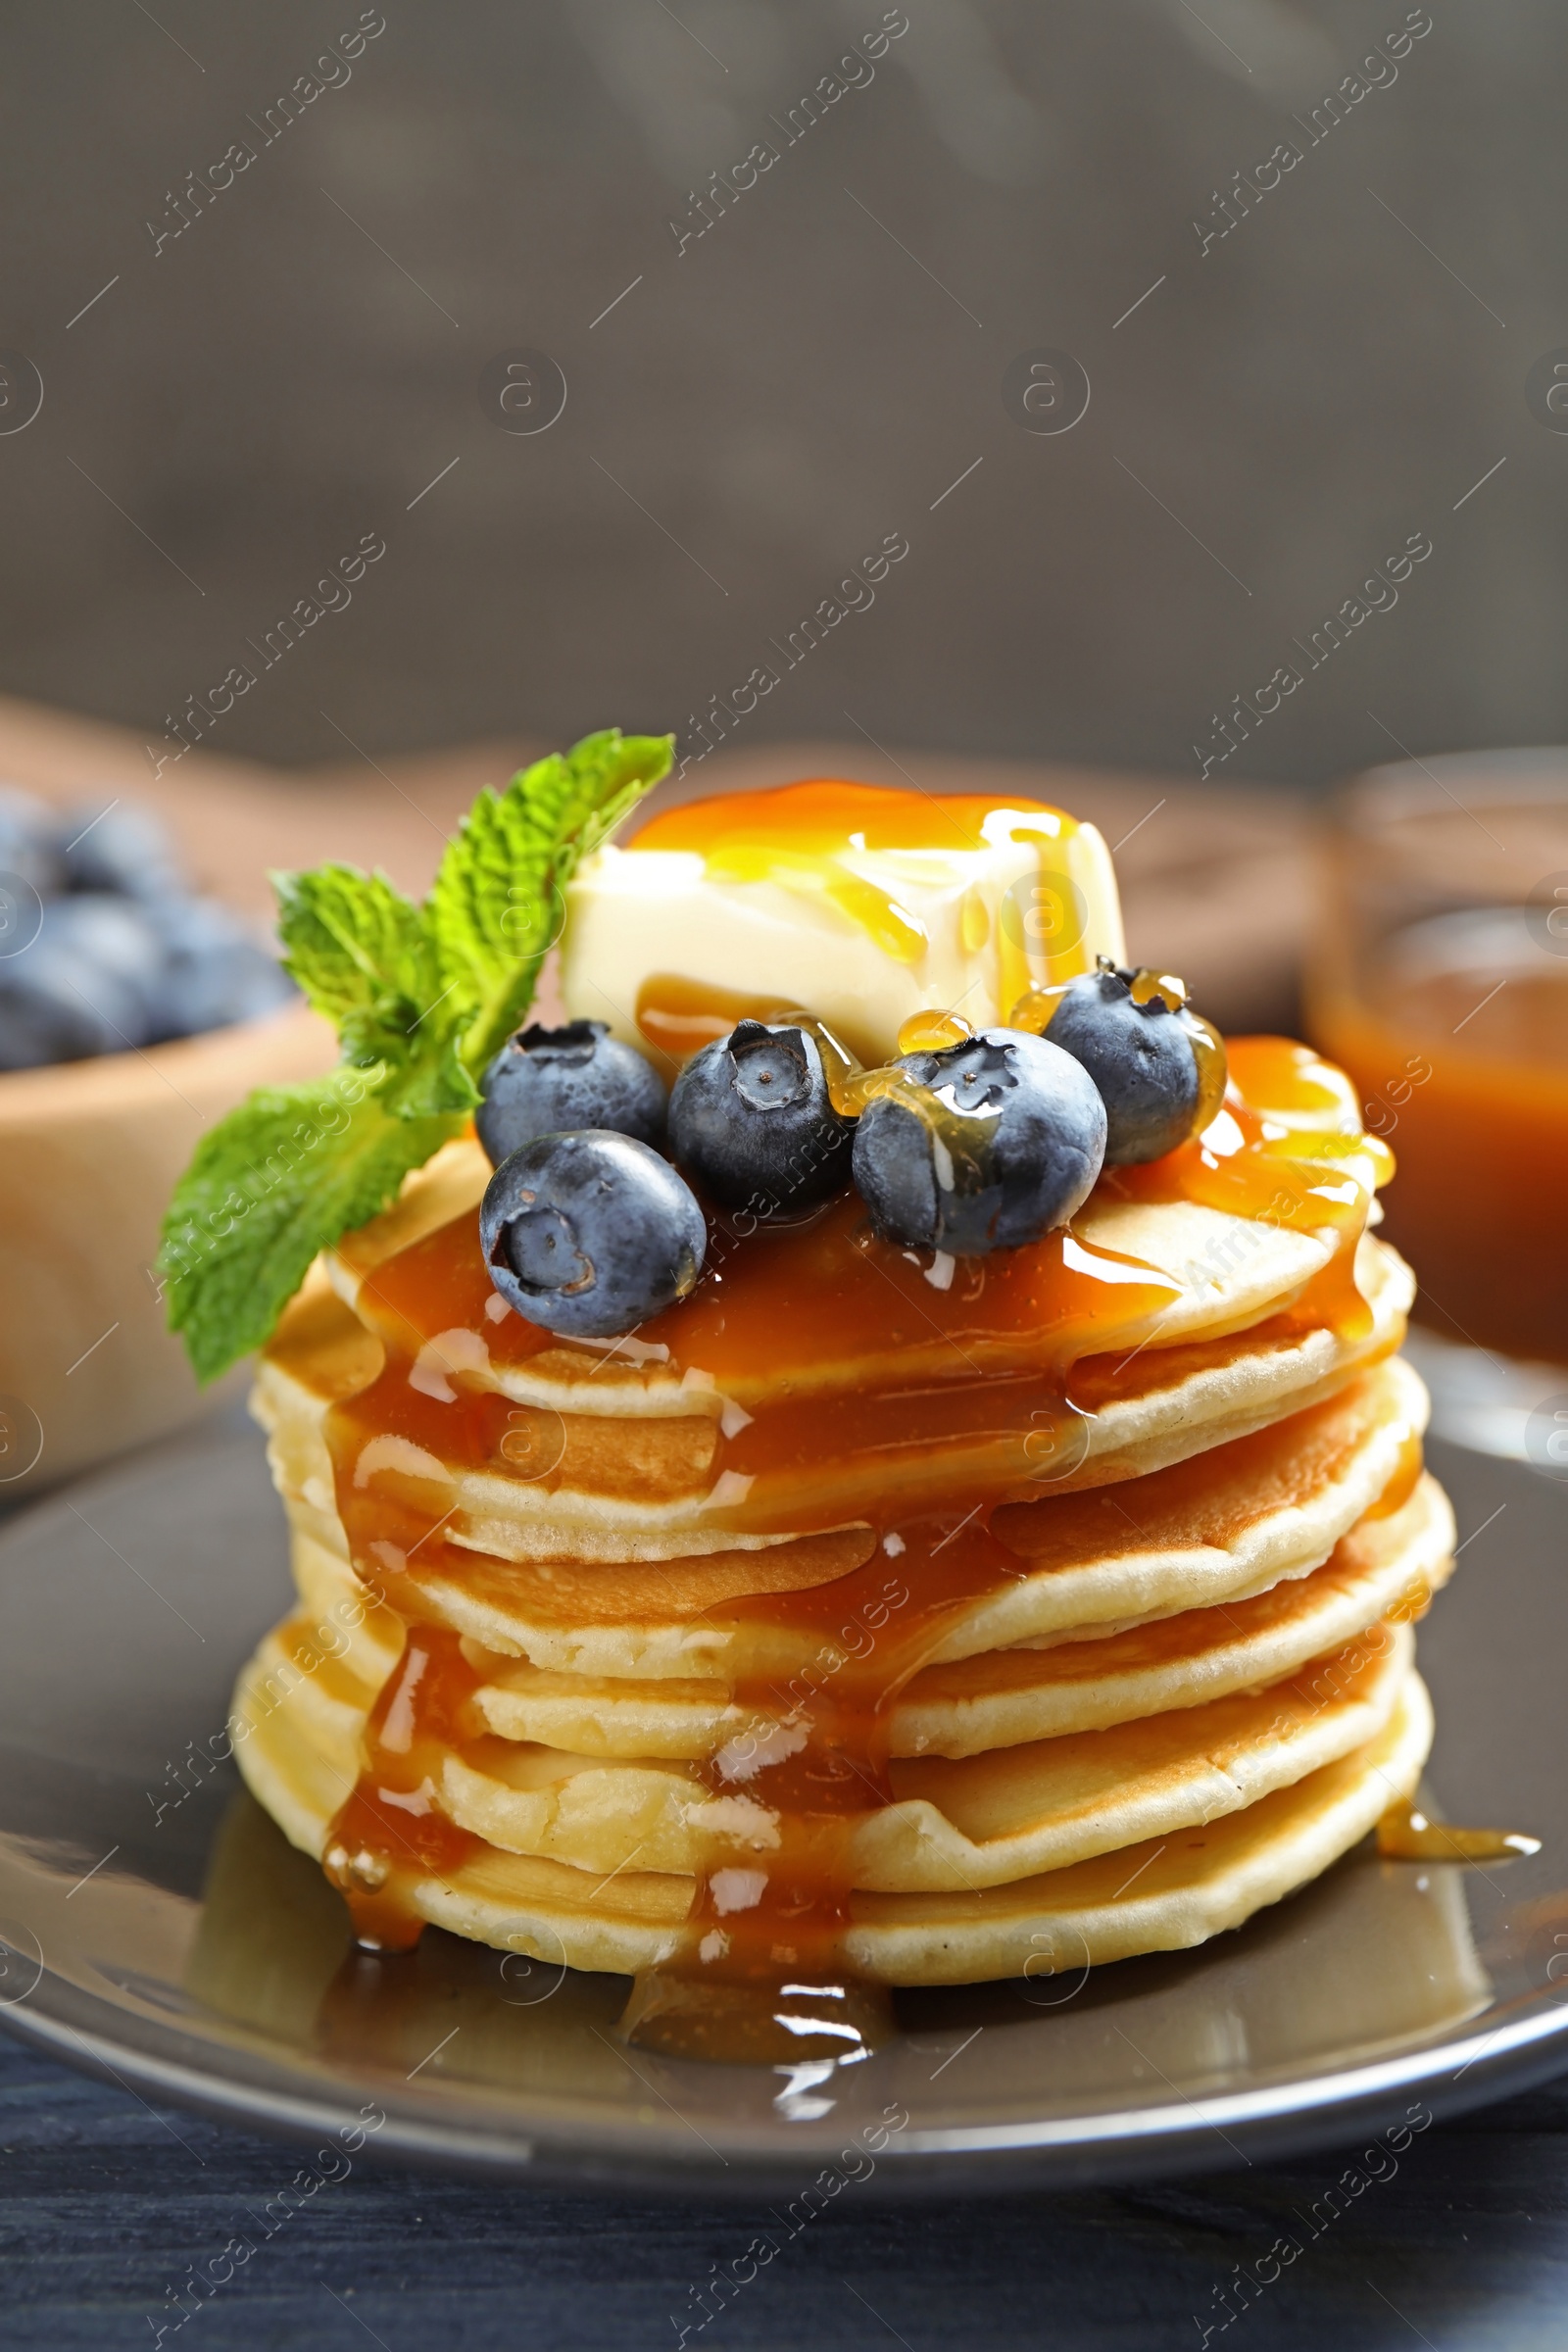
(981,1146)
(751,1118)
(590,1233)
(546,1080)
(1136,1048)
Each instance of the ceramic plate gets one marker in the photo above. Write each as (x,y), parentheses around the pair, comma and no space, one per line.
(154,1927)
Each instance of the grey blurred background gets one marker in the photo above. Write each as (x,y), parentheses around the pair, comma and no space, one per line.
(241,401)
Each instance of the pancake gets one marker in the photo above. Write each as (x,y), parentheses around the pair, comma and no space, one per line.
(1171,1889)
(980,1821)
(1000,1698)
(1221,1272)
(962,1824)
(1271,1505)
(1387,1565)
(1160,1897)
(630,1470)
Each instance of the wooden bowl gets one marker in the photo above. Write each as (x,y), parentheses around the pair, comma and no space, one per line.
(89,1153)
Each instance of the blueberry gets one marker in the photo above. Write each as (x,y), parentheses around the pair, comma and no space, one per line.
(750,1116)
(545,1080)
(590,1233)
(43,1020)
(127,849)
(109,940)
(214,972)
(1140,1056)
(258,986)
(29,843)
(61,1001)
(984,1145)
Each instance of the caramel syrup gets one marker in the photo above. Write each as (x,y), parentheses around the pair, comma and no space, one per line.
(677,1017)
(392,1828)
(1406,1835)
(860,1363)
(826,814)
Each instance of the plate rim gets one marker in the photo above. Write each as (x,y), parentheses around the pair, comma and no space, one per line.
(1292,2118)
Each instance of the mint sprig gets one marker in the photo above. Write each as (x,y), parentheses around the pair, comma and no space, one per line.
(422,997)
(497,903)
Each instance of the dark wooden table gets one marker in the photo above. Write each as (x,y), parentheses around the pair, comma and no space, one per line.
(105,2203)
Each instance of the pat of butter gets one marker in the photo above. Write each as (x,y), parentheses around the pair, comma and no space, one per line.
(862,937)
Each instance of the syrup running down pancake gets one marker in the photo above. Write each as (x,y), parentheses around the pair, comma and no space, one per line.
(870,1617)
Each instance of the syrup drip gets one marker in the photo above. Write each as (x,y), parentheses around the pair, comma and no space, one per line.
(863,1365)
(1403,1484)
(392,1830)
(930,1032)
(768,1979)
(1405,1835)
(678,1017)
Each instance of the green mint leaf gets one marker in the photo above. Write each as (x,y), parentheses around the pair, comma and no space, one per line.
(277,1180)
(421,996)
(347,934)
(498,901)
(435,1081)
(364,956)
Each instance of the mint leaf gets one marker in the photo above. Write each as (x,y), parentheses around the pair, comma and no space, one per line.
(277,1180)
(359,950)
(498,901)
(348,937)
(422,997)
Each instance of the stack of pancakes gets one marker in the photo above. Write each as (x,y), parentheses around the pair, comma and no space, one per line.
(1141,1690)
